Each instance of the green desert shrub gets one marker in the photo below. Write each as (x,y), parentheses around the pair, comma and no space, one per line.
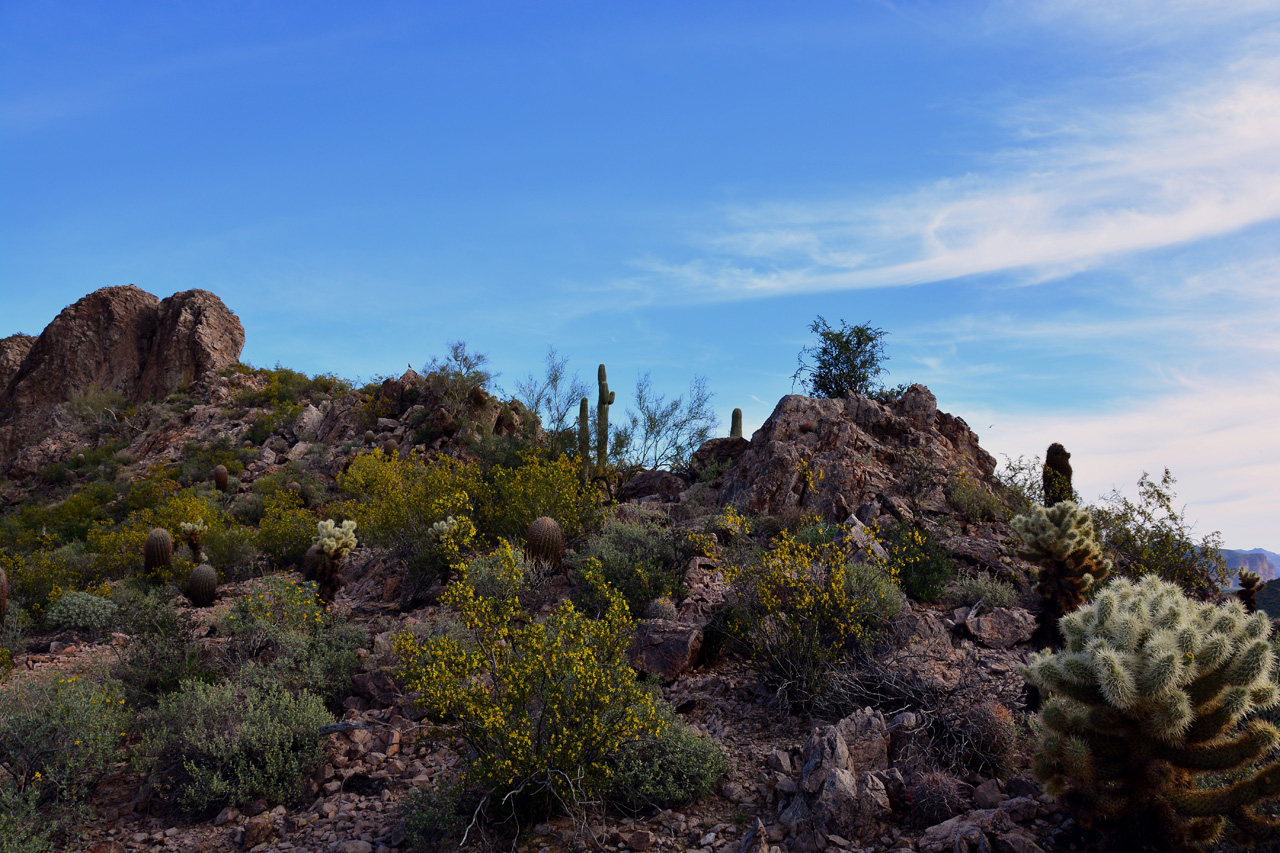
(231,551)
(1152,537)
(981,589)
(432,819)
(636,556)
(671,769)
(162,652)
(59,736)
(916,559)
(84,612)
(222,744)
(308,648)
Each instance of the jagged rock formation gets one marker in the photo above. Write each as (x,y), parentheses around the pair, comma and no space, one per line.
(117,338)
(855,443)
(13,350)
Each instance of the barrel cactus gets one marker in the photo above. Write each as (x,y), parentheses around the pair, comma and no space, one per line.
(202,586)
(157,553)
(1148,712)
(220,478)
(370,436)
(544,541)
(935,796)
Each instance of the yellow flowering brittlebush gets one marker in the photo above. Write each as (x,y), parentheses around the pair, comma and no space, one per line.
(398,498)
(806,603)
(543,705)
(513,497)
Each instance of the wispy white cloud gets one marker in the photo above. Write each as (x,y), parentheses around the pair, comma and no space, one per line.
(1216,437)
(1196,164)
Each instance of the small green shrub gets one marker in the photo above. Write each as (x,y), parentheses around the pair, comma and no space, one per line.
(971,500)
(309,649)
(916,558)
(23,829)
(59,736)
(982,589)
(227,744)
(637,557)
(671,769)
(431,819)
(84,612)
(163,652)
(231,551)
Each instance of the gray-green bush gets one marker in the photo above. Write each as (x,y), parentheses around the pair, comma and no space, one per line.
(673,769)
(227,744)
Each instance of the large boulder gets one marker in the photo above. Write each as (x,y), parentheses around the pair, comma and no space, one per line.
(119,339)
(664,648)
(13,350)
(834,455)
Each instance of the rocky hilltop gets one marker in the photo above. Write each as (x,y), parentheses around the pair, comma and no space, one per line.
(119,339)
(921,745)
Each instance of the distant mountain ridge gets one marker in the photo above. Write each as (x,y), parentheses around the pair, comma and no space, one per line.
(1265,563)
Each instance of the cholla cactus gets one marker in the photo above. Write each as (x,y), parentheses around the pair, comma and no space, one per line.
(1146,699)
(192,531)
(1061,539)
(329,548)
(441,529)
(336,542)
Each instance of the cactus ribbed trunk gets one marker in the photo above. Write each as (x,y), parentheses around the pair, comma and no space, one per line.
(584,439)
(735,428)
(602,421)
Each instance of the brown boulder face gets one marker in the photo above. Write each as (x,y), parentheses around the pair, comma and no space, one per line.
(1002,628)
(664,648)
(853,447)
(13,350)
(716,453)
(663,484)
(121,339)
(196,336)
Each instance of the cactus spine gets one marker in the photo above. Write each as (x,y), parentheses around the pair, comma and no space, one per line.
(220,478)
(1145,701)
(157,552)
(602,421)
(584,439)
(202,586)
(735,425)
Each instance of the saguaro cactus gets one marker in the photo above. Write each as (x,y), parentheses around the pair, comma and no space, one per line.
(1145,703)
(735,425)
(584,439)
(602,421)
(4,596)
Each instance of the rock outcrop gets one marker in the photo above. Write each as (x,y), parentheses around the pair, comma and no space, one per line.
(13,350)
(852,448)
(119,339)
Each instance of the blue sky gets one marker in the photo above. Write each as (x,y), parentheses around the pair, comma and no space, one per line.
(1063,213)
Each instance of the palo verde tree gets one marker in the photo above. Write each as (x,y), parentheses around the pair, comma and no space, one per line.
(845,360)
